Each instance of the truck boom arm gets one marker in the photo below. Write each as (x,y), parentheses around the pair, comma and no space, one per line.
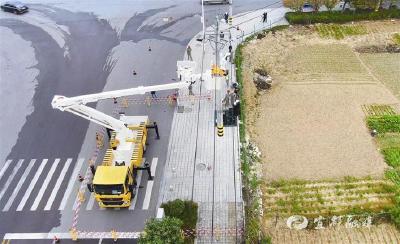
(76,105)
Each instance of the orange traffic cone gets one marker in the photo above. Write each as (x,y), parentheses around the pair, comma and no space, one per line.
(56,240)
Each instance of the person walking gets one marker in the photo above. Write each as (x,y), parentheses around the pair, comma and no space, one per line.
(189,53)
(264,17)
(226,17)
(191,89)
(153,94)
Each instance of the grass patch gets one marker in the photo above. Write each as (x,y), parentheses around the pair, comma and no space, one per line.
(340,17)
(340,31)
(396,38)
(327,198)
(388,140)
(392,156)
(385,123)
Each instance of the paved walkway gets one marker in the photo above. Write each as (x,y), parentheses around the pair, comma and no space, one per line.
(201,166)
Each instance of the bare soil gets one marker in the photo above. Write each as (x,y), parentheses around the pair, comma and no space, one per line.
(310,125)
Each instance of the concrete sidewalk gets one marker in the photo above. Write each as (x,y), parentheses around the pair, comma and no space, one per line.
(200,165)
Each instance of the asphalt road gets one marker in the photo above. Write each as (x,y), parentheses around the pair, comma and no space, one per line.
(84,67)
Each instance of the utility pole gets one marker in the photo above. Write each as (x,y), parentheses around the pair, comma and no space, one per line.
(216,42)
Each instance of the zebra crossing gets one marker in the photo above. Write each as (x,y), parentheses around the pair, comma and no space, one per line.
(52,185)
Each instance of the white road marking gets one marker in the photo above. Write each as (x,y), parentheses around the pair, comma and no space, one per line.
(3,170)
(138,180)
(57,185)
(149,188)
(72,181)
(153,166)
(45,184)
(100,240)
(19,185)
(31,185)
(90,203)
(147,197)
(10,178)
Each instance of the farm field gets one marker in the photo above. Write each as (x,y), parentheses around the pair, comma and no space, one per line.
(318,155)
(327,198)
(382,234)
(386,66)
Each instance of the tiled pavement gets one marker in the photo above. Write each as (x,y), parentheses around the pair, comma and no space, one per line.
(201,166)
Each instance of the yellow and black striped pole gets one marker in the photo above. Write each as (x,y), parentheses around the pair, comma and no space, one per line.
(220,130)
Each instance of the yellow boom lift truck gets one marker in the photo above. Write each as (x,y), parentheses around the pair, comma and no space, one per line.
(114,182)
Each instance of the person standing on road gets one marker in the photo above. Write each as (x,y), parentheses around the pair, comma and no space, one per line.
(189,53)
(191,89)
(226,17)
(264,17)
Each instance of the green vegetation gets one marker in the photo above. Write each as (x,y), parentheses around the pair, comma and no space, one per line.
(396,38)
(251,182)
(186,211)
(340,31)
(340,17)
(239,79)
(183,210)
(388,140)
(388,127)
(392,156)
(384,123)
(162,231)
(327,198)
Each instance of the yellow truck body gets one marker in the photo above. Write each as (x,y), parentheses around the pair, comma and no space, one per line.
(114,183)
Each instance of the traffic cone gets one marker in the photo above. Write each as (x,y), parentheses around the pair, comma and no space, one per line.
(56,240)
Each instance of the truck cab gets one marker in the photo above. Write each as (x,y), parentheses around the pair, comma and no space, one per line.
(114,182)
(114,186)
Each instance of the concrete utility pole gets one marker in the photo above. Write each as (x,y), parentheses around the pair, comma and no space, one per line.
(216,42)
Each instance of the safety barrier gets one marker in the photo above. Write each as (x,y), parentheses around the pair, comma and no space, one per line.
(220,130)
(115,235)
(81,192)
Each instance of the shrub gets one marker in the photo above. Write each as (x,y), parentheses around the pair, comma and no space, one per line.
(340,17)
(395,215)
(183,210)
(162,231)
